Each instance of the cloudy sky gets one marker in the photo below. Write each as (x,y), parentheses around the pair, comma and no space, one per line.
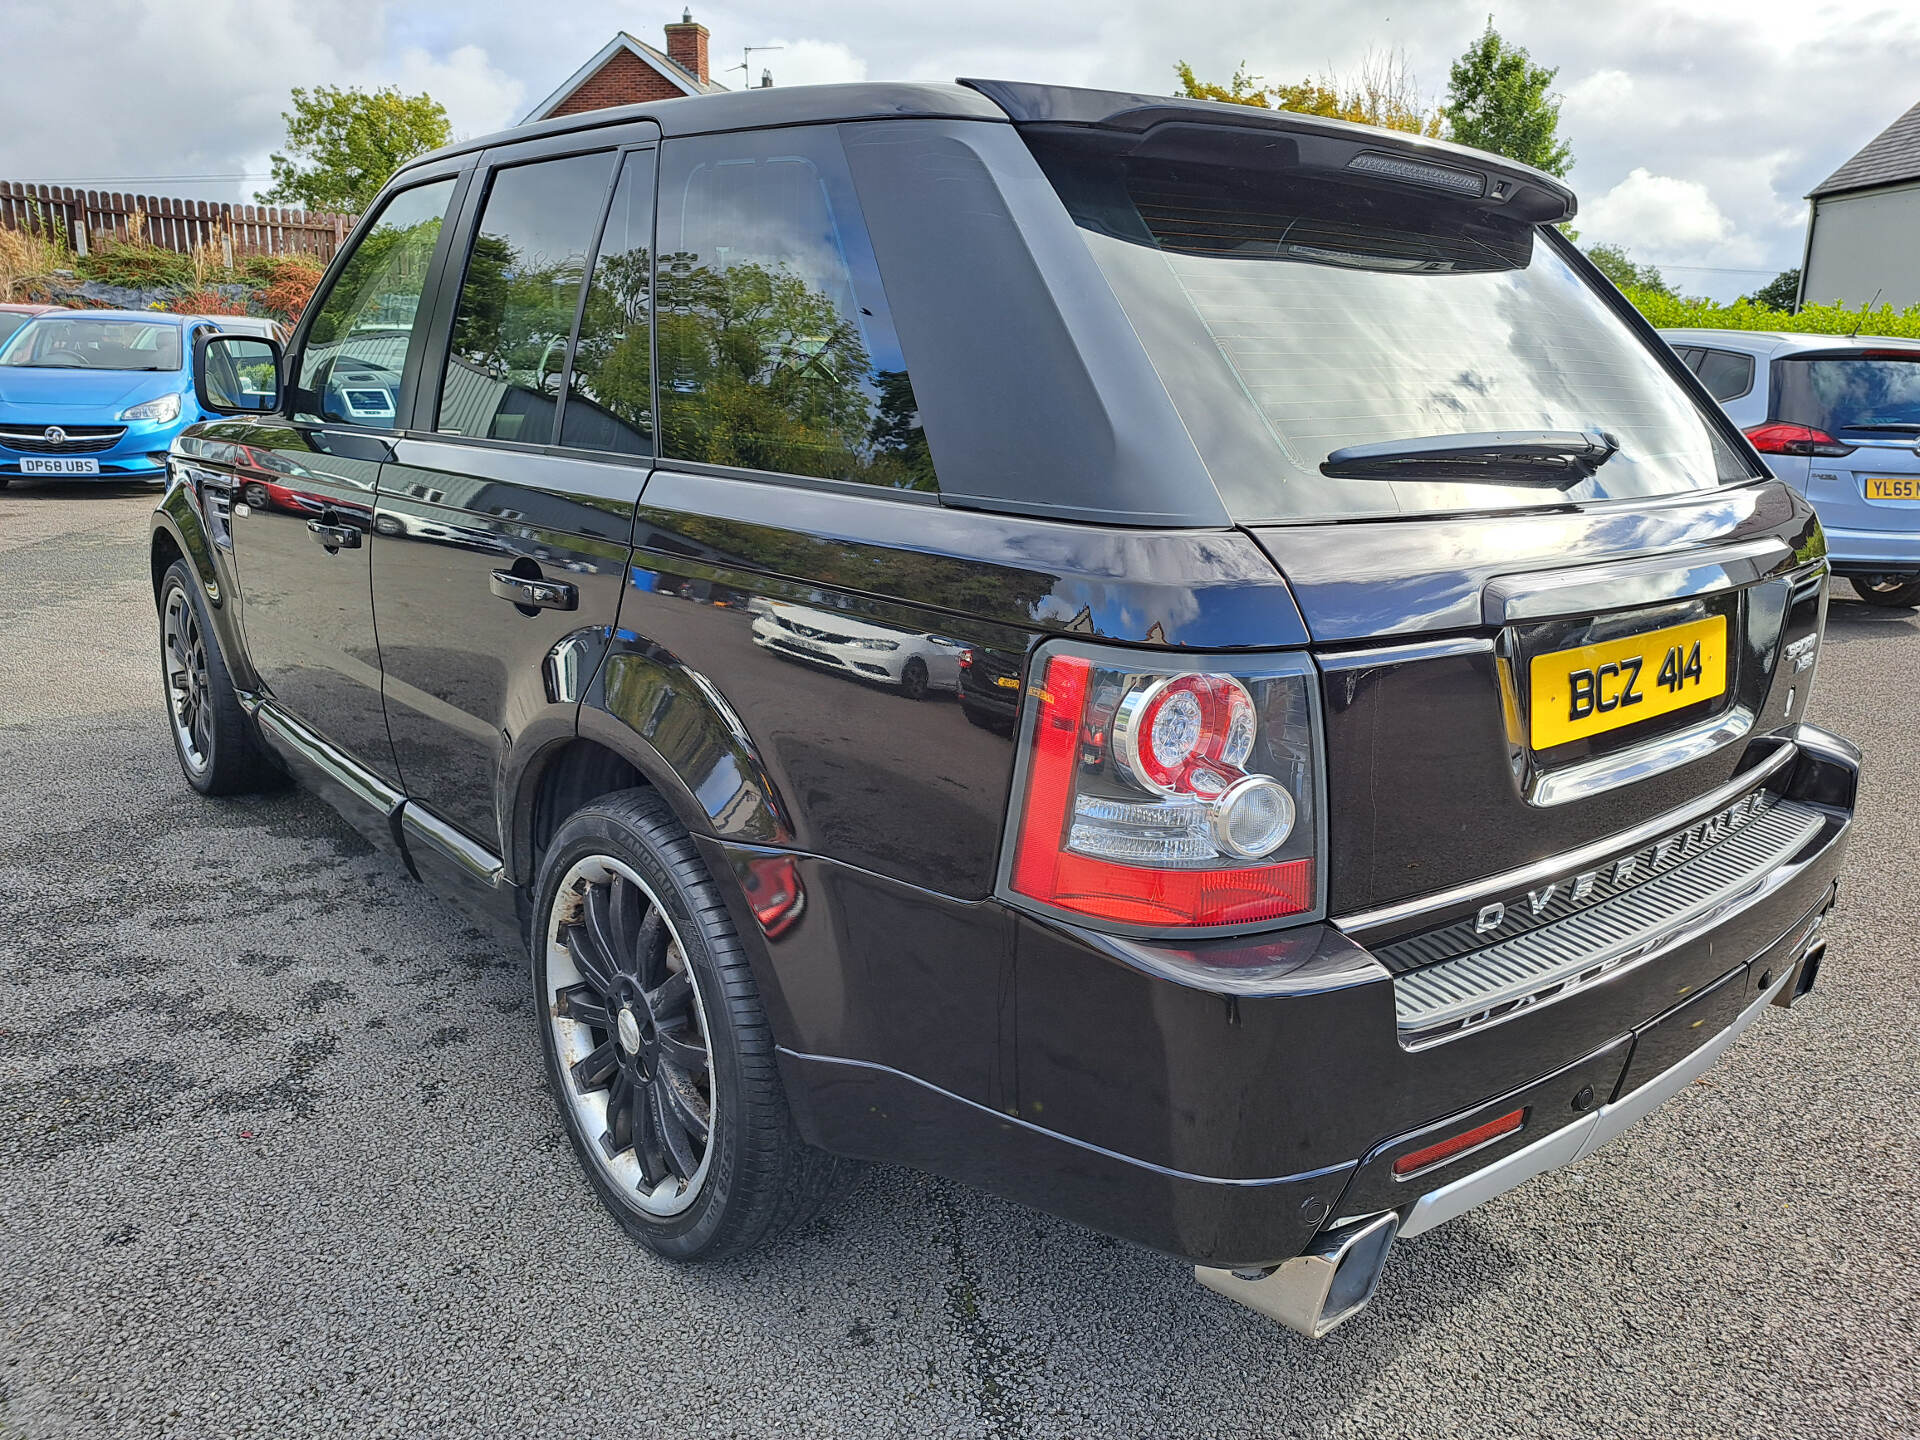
(1696,125)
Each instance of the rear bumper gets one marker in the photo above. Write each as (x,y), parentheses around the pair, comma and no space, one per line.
(1857,552)
(1230,1120)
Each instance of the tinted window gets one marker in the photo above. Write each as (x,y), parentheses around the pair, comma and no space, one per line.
(1726,374)
(777,350)
(1311,315)
(356,348)
(610,390)
(11,321)
(1862,392)
(518,299)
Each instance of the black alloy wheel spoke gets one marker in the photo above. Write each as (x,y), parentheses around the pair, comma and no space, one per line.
(685,1106)
(597,1067)
(595,967)
(597,918)
(673,1133)
(682,1050)
(582,1003)
(620,1106)
(650,945)
(629,905)
(673,997)
(646,1138)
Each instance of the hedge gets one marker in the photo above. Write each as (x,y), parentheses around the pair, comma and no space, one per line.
(1676,312)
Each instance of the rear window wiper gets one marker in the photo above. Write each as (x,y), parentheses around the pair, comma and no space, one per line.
(1559,458)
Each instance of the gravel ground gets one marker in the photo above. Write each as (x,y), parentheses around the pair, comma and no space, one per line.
(276,1159)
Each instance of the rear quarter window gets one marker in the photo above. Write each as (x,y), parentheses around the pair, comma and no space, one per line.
(776,344)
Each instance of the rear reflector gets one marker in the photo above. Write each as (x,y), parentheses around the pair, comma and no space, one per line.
(1458,1145)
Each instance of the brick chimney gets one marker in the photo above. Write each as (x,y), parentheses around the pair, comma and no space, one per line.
(687,45)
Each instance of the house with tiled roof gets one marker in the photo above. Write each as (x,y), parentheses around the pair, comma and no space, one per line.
(628,71)
(1861,234)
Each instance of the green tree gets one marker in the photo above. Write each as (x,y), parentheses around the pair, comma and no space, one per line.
(1780,292)
(342,144)
(1625,272)
(1497,100)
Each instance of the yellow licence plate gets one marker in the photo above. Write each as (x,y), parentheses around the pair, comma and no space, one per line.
(1595,688)
(1893,487)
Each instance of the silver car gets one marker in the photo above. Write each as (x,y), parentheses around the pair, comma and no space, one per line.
(1838,418)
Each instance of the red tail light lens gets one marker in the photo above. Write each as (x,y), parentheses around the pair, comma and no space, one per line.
(1166,797)
(1779,438)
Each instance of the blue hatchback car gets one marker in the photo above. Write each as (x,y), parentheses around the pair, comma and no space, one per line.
(100,394)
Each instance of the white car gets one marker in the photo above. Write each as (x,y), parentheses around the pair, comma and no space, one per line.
(915,662)
(1838,418)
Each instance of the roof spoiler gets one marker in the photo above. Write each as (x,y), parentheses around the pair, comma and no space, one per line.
(1358,152)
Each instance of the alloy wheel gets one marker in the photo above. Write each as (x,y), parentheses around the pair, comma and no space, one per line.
(184,653)
(630,1030)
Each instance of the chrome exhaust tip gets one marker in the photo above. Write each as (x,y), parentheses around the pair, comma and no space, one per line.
(1312,1293)
(1806,970)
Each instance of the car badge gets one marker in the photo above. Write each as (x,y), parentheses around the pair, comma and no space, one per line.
(55,435)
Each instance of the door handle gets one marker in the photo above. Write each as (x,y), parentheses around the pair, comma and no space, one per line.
(334,537)
(542,594)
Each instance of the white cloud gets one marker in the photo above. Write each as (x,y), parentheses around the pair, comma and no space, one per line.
(477,94)
(1657,212)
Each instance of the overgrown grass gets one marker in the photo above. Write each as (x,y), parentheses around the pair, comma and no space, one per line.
(137,266)
(27,262)
(1676,312)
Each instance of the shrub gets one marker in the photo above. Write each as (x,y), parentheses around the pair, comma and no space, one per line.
(205,302)
(134,265)
(286,283)
(1674,312)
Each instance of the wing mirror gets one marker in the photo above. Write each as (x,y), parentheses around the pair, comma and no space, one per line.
(237,374)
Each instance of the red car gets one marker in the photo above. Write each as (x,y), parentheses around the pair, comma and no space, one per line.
(12,317)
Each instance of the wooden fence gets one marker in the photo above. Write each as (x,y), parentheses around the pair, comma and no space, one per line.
(88,217)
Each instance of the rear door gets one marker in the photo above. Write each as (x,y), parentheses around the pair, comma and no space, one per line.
(505,516)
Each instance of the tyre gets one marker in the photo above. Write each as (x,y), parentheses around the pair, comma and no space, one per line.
(658,1052)
(1894,592)
(914,679)
(213,739)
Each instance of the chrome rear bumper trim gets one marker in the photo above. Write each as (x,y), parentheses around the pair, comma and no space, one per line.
(1460,996)
(1575,1142)
(1555,866)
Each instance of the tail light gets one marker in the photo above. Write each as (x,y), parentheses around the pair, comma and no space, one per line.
(1161,795)
(965,659)
(1779,438)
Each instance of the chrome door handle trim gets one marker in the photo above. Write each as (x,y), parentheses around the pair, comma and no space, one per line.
(334,537)
(543,594)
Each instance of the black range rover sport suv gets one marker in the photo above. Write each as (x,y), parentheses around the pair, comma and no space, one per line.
(1195,667)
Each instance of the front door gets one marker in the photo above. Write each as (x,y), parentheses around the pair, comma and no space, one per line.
(304,485)
(504,523)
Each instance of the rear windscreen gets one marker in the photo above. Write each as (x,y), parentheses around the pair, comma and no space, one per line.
(1861,393)
(1292,315)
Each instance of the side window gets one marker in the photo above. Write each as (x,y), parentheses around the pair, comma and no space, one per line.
(519,296)
(1726,374)
(356,347)
(610,392)
(777,350)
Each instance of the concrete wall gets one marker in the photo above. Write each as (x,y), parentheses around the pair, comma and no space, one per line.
(1863,243)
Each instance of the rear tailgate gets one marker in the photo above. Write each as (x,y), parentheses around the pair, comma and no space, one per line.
(1444,765)
(1867,399)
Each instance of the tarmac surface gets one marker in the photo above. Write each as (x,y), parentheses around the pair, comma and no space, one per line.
(277,1159)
